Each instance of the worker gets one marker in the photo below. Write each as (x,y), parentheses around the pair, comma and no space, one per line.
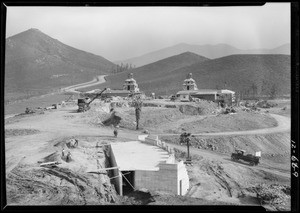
(116,131)
(63,152)
(68,158)
(76,143)
(153,95)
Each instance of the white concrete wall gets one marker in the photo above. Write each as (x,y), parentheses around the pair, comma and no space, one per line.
(162,180)
(167,178)
(182,176)
(117,180)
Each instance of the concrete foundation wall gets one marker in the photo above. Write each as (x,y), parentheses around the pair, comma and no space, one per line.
(167,178)
(156,180)
(184,178)
(168,175)
(116,174)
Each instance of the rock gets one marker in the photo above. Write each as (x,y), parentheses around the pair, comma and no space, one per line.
(146,131)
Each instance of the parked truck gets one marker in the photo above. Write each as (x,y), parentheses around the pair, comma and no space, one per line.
(239,154)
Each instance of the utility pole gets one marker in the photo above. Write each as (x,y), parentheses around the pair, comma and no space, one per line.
(185,138)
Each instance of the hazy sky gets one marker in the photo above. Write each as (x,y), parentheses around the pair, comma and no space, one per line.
(124,32)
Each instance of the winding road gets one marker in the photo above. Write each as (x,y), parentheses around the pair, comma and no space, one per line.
(96,81)
(283,125)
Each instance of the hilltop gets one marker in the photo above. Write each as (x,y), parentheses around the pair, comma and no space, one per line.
(248,74)
(209,51)
(36,63)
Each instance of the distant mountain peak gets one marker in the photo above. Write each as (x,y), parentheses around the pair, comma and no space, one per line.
(211,51)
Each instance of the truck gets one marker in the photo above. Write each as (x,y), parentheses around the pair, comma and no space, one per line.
(84,103)
(239,154)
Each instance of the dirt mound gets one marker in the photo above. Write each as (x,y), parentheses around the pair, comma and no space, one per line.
(114,120)
(137,198)
(199,108)
(151,117)
(95,116)
(151,105)
(265,104)
(230,122)
(57,186)
(274,195)
(55,156)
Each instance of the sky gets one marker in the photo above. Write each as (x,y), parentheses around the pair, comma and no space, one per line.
(119,33)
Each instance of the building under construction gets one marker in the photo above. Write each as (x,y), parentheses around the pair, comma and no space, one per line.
(190,90)
(147,164)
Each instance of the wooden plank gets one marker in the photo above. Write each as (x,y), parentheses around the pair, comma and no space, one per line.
(102,170)
(110,168)
(98,172)
(49,163)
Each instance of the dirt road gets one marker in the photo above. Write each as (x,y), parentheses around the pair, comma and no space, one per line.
(226,159)
(284,124)
(98,80)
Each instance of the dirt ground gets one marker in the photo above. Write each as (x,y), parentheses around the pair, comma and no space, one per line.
(214,178)
(158,120)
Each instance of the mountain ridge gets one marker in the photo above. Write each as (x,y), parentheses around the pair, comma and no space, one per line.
(208,51)
(160,68)
(247,74)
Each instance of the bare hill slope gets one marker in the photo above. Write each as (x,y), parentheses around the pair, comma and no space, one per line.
(155,71)
(249,74)
(36,62)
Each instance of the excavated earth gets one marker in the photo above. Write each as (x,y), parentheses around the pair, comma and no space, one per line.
(214,179)
(72,183)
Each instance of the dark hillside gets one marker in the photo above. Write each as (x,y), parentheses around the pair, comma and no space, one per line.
(248,74)
(36,63)
(156,70)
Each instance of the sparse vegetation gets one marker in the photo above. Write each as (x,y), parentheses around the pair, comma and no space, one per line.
(122,68)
